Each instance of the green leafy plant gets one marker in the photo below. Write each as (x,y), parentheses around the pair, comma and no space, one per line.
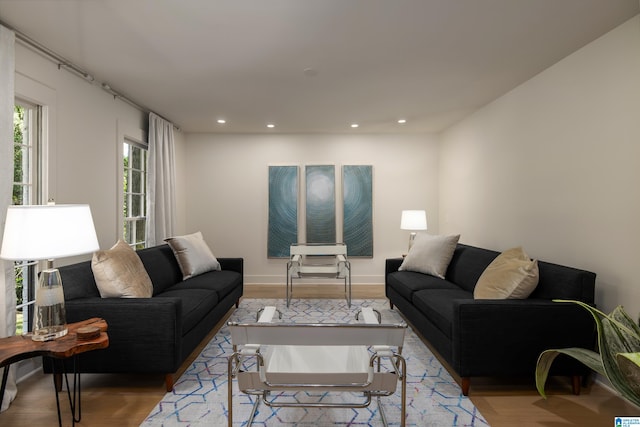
(619,357)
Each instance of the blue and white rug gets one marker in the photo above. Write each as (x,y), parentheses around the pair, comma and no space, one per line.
(200,395)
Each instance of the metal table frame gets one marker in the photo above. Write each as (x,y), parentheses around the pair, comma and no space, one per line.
(319,260)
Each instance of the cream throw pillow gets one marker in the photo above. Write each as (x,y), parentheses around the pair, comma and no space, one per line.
(193,254)
(430,254)
(512,275)
(119,273)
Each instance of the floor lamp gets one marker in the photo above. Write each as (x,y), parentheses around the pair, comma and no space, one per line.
(46,232)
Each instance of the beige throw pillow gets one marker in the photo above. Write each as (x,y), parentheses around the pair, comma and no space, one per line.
(512,275)
(119,273)
(193,254)
(430,254)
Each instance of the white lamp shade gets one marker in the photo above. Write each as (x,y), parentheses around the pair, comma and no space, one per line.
(413,220)
(38,232)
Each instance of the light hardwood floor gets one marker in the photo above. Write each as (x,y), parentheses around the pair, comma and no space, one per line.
(125,400)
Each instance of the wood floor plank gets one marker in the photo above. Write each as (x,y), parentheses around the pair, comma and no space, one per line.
(126,400)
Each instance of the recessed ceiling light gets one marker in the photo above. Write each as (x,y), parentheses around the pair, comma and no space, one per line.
(354,125)
(222,121)
(270,125)
(402,121)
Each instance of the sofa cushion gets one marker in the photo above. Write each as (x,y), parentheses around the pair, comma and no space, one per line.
(119,273)
(437,306)
(512,275)
(193,255)
(430,254)
(467,265)
(407,282)
(576,283)
(162,267)
(78,281)
(196,304)
(222,282)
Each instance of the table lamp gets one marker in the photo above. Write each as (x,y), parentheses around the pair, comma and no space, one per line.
(413,220)
(45,232)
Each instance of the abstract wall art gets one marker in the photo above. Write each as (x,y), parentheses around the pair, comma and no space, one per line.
(320,203)
(283,210)
(357,194)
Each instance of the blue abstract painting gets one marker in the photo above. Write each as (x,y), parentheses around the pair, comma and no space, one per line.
(357,192)
(321,203)
(283,210)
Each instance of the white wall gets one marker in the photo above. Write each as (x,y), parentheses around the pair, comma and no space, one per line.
(85,130)
(227,199)
(554,166)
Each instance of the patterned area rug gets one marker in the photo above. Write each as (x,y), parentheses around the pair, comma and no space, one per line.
(200,395)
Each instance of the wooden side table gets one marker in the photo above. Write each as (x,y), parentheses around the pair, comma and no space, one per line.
(21,347)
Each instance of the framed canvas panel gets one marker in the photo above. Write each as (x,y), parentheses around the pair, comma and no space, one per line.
(320,203)
(283,210)
(357,195)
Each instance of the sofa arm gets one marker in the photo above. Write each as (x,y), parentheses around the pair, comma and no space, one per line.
(232,264)
(391,265)
(145,334)
(507,336)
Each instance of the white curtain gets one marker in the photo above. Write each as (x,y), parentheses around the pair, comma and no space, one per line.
(161,206)
(7,280)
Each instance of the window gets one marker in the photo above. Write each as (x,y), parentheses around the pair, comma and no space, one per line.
(135,194)
(26,190)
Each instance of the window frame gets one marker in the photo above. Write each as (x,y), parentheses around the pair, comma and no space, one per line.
(31,182)
(126,198)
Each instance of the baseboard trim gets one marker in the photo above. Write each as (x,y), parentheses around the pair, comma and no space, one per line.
(311,290)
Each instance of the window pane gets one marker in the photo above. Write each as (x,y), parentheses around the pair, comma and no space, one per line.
(127,232)
(19,285)
(18,196)
(140,230)
(18,155)
(127,206)
(136,182)
(136,206)
(136,158)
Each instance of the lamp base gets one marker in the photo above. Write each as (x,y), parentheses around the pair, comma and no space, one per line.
(412,238)
(50,333)
(49,320)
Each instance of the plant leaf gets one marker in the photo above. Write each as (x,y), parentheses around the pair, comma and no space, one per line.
(618,336)
(588,357)
(629,364)
(619,345)
(628,326)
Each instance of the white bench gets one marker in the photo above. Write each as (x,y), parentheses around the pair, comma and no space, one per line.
(322,356)
(322,260)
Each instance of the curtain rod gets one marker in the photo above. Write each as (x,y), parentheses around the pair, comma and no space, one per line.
(78,71)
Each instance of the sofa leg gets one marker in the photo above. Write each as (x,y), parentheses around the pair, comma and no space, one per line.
(238,304)
(576,382)
(466,384)
(168,381)
(390,305)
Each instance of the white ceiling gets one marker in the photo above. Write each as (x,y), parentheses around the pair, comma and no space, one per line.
(368,61)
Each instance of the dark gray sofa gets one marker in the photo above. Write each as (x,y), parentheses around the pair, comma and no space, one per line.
(152,335)
(495,337)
